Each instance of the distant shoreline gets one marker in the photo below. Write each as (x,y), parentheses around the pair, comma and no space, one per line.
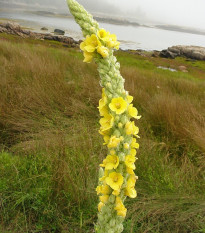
(104,19)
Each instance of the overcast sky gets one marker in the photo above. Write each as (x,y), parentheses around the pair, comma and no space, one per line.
(182,12)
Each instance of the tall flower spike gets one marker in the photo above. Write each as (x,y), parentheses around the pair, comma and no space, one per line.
(116,174)
(83,18)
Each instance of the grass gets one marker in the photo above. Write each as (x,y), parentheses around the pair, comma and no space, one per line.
(50,146)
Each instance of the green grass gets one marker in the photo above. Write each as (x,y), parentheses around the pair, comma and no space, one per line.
(51,149)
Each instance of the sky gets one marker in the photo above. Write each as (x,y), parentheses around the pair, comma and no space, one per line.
(182,12)
(190,13)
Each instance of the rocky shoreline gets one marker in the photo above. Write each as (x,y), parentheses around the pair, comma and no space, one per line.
(15,29)
(189,52)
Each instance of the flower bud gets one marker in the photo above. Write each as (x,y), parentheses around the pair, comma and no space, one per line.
(112,199)
(108,85)
(124,119)
(112,223)
(112,152)
(117,133)
(101,172)
(121,156)
(120,125)
(126,145)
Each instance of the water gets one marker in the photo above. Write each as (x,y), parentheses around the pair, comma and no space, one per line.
(130,37)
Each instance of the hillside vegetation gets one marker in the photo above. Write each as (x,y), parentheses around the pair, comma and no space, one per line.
(50,148)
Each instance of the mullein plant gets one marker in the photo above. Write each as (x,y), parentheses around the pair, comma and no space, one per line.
(116,174)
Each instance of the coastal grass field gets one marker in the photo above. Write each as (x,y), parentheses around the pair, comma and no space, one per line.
(50,148)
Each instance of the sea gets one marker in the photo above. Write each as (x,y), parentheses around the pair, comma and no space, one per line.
(131,37)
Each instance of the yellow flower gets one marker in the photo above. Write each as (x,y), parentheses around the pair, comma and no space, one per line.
(104,198)
(88,46)
(100,205)
(103,189)
(129,161)
(103,51)
(134,144)
(111,162)
(121,210)
(118,105)
(114,141)
(112,42)
(106,122)
(103,35)
(133,112)
(114,180)
(90,43)
(103,109)
(131,128)
(130,188)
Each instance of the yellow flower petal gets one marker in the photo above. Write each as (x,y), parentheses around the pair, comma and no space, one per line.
(111,162)
(131,128)
(106,122)
(133,112)
(129,99)
(100,205)
(120,208)
(129,161)
(88,57)
(134,144)
(89,48)
(116,192)
(130,171)
(82,45)
(106,139)
(130,188)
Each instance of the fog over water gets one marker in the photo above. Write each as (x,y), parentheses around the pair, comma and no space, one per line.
(179,12)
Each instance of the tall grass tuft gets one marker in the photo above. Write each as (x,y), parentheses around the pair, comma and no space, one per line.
(51,147)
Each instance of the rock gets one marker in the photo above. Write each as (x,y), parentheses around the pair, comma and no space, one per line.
(182,68)
(155,54)
(190,52)
(44,29)
(59,32)
(167,54)
(50,37)
(2,30)
(13,26)
(73,45)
